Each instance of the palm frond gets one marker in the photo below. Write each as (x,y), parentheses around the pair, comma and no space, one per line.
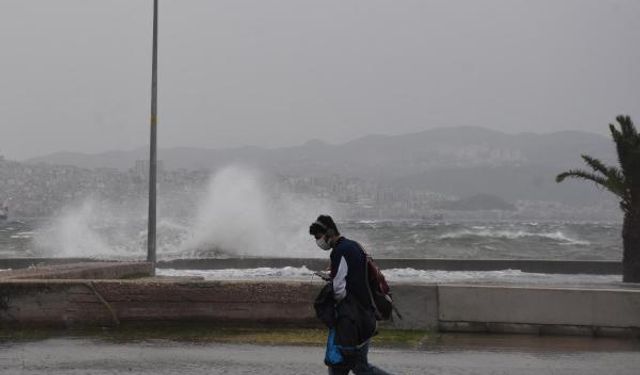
(599,180)
(623,181)
(596,164)
(628,149)
(584,175)
(615,177)
(627,127)
(615,133)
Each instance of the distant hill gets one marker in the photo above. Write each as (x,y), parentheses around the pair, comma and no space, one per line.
(463,161)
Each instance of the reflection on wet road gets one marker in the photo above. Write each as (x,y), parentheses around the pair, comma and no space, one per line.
(85,356)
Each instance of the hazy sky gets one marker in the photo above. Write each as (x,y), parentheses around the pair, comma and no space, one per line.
(75,74)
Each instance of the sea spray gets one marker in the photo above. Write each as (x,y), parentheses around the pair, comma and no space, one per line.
(243,215)
(73,233)
(241,212)
(105,229)
(233,215)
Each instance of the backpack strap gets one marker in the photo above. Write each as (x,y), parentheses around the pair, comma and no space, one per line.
(367,258)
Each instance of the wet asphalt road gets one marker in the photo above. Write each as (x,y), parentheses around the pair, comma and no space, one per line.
(88,356)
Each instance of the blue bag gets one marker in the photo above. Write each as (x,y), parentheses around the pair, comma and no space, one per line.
(332,355)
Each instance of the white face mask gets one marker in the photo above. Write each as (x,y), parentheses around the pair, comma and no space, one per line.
(323,244)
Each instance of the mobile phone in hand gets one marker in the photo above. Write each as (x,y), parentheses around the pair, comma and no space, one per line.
(323,275)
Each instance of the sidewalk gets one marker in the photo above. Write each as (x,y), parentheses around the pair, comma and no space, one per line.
(91,356)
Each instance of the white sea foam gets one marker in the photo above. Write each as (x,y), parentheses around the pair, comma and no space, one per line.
(262,273)
(512,235)
(508,275)
(402,275)
(23,235)
(368,221)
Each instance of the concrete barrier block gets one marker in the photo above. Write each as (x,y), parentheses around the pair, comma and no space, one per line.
(418,305)
(508,304)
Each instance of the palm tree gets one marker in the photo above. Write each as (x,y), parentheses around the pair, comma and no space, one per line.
(624,182)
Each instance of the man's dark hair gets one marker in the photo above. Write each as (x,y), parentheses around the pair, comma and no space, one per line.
(324,224)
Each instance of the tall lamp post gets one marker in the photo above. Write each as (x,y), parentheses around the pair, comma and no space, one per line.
(151,239)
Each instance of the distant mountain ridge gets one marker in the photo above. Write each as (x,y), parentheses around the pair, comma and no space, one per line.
(462,160)
(435,148)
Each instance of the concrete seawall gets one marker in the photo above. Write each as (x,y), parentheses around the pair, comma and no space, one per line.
(109,302)
(467,308)
(85,270)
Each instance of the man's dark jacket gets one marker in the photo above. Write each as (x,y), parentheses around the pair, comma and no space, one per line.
(354,317)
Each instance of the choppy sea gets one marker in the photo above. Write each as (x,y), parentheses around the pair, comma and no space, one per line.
(385,239)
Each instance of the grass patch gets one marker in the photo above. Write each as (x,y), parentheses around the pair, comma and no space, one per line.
(402,338)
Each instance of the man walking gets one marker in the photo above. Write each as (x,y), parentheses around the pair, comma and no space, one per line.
(355,315)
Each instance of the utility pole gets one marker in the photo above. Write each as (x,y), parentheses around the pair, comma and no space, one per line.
(151,240)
